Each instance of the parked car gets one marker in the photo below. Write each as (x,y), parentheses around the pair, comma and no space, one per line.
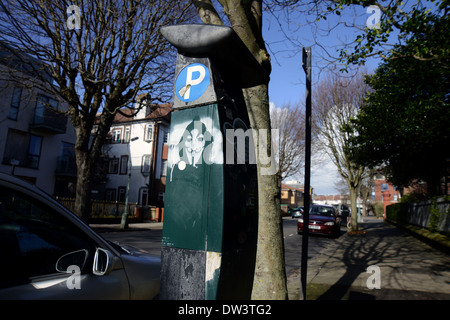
(323,219)
(49,253)
(296,213)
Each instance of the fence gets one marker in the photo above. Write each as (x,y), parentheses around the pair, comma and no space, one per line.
(432,214)
(101,209)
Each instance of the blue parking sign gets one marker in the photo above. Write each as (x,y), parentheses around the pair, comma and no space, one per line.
(192,82)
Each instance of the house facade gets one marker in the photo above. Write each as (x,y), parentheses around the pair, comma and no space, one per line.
(384,191)
(136,156)
(36,137)
(292,195)
(333,200)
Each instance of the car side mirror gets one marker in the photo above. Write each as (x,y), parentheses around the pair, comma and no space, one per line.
(103,262)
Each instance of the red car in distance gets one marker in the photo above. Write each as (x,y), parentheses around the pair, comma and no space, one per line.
(323,219)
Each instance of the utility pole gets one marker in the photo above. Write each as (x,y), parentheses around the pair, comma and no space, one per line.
(306,64)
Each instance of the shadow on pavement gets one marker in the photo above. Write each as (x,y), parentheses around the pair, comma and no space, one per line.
(406,266)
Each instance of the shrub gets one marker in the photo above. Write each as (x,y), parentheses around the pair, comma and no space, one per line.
(379,209)
(435,216)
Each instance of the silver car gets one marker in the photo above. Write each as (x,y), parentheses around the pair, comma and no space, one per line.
(49,253)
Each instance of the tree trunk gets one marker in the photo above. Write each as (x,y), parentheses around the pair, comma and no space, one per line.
(83,186)
(87,151)
(354,211)
(270,276)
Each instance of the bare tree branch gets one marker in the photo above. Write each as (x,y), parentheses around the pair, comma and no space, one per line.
(98,55)
(290,123)
(337,100)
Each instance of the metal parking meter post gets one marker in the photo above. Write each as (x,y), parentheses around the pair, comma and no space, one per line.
(210,218)
(306,63)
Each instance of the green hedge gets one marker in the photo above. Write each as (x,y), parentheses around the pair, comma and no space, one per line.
(397,212)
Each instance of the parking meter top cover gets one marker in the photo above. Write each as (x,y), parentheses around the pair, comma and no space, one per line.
(222,45)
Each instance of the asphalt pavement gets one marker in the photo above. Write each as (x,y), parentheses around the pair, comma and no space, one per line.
(386,263)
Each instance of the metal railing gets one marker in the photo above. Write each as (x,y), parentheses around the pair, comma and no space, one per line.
(101,209)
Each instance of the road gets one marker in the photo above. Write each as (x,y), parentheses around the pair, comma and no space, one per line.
(293,245)
(150,241)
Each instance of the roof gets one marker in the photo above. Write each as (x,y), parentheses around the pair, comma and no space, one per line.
(159,111)
(288,187)
(327,197)
(154,112)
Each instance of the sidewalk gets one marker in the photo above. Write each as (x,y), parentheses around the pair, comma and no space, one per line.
(408,268)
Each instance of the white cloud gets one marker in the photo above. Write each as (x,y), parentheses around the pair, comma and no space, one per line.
(323,177)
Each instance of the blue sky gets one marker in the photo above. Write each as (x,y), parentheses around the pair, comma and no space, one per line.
(287,84)
(285,43)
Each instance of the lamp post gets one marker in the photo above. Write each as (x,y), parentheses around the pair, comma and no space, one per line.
(306,63)
(124,221)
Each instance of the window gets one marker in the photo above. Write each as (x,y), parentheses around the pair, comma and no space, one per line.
(110,195)
(15,147)
(121,191)
(42,103)
(15,103)
(113,166)
(124,164)
(116,135)
(23,149)
(126,136)
(384,187)
(143,196)
(66,160)
(148,135)
(146,160)
(34,237)
(34,152)
(165,136)
(163,168)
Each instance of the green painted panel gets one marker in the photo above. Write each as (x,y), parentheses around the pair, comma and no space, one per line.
(194,180)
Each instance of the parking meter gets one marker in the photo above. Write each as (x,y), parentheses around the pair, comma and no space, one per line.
(210,215)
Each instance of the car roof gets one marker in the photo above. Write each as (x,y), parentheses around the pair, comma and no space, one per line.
(5,177)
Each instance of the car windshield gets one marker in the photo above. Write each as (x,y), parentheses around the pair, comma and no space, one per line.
(323,211)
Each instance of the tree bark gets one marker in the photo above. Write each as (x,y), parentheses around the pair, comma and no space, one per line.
(270,276)
(354,211)
(83,186)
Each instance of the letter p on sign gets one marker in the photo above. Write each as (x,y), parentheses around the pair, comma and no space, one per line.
(200,72)
(192,82)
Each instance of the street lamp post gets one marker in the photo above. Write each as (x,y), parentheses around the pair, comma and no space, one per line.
(306,63)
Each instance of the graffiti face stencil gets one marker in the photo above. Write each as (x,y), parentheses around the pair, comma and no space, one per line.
(195,144)
(195,138)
